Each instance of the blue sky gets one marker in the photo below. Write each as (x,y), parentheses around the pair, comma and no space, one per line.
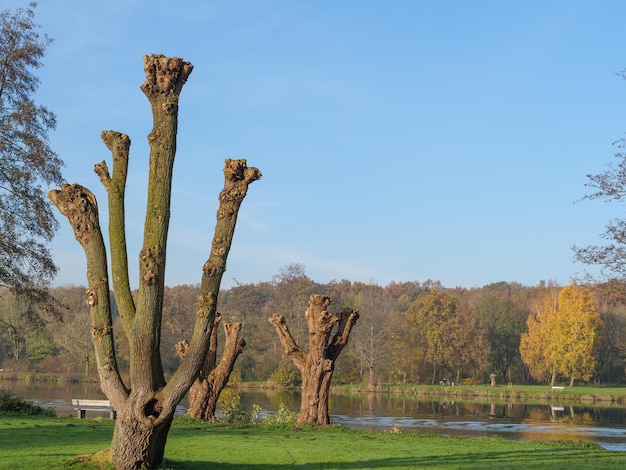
(398,140)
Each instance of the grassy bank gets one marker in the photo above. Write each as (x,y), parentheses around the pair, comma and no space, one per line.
(522,393)
(45,378)
(54,443)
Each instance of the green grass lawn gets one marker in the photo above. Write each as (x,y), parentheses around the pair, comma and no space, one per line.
(54,443)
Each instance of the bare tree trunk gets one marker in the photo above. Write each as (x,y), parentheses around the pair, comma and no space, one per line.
(138,444)
(206,389)
(317,366)
(146,407)
(371,382)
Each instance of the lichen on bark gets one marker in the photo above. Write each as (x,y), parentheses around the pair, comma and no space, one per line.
(146,407)
(318,364)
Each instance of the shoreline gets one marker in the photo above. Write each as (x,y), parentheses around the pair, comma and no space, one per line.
(540,394)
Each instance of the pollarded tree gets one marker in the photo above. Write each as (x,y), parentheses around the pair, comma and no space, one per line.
(214,375)
(146,404)
(27,163)
(576,330)
(318,364)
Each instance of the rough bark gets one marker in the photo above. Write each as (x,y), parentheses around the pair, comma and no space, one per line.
(145,408)
(213,377)
(318,365)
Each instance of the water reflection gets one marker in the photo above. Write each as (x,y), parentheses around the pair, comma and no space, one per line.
(603,425)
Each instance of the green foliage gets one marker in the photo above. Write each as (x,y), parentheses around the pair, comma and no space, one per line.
(11,404)
(285,375)
(282,416)
(230,406)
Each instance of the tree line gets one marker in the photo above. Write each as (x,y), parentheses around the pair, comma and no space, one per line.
(408,332)
(417,332)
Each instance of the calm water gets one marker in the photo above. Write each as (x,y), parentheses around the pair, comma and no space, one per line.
(603,425)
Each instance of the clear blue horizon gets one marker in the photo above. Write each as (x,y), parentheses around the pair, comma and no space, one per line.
(398,141)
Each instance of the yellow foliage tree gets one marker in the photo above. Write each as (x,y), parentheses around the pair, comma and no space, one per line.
(563,336)
(535,344)
(576,332)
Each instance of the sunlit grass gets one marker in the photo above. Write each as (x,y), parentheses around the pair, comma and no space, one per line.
(54,443)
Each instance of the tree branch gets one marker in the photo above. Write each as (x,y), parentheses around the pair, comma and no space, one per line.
(347,319)
(79,205)
(165,78)
(119,145)
(291,349)
(237,177)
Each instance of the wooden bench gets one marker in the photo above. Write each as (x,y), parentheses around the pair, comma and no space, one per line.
(557,387)
(82,405)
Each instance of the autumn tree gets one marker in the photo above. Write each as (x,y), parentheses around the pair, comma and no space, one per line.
(612,308)
(178,305)
(404,352)
(73,335)
(318,364)
(431,323)
(504,314)
(370,340)
(472,347)
(288,297)
(536,342)
(19,321)
(27,163)
(146,403)
(576,333)
(245,303)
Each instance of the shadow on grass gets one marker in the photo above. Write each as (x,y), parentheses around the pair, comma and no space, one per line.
(17,435)
(528,459)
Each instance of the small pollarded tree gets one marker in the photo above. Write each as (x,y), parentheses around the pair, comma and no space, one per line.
(317,366)
(146,403)
(213,376)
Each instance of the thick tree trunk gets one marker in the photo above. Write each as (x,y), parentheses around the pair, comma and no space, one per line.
(317,366)
(371,381)
(145,415)
(138,444)
(206,389)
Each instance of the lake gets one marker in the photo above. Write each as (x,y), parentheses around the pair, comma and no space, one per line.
(603,425)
